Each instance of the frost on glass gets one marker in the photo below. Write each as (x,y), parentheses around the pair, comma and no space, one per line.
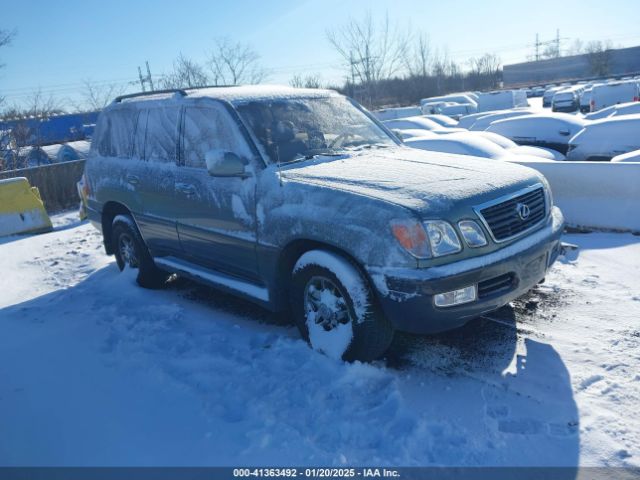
(162,134)
(210,129)
(114,133)
(290,129)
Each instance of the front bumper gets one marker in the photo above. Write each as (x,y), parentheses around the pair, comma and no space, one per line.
(406,295)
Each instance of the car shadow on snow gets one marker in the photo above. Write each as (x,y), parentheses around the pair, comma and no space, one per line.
(458,398)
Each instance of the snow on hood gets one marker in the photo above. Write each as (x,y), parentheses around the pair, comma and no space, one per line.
(419,180)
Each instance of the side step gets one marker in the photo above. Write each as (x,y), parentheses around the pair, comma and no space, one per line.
(214,278)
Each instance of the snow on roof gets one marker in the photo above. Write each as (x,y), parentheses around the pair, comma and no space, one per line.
(247,93)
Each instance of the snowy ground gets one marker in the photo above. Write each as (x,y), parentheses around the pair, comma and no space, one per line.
(96,371)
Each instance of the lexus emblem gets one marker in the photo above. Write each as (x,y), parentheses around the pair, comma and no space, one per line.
(523,211)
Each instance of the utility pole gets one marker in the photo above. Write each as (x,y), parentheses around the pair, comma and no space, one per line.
(149,76)
(537,47)
(141,79)
(144,80)
(557,42)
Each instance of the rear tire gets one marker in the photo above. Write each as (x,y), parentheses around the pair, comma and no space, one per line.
(132,252)
(335,310)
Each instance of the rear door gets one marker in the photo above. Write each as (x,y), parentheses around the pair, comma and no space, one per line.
(216,215)
(156,142)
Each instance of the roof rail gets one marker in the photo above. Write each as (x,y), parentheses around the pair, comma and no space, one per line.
(120,98)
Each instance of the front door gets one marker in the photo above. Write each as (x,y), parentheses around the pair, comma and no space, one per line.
(216,215)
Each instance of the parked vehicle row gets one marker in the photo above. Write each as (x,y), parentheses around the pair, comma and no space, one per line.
(300,200)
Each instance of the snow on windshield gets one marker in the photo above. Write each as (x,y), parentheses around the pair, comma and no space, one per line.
(294,128)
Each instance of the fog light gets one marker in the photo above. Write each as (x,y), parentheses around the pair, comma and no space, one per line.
(456,297)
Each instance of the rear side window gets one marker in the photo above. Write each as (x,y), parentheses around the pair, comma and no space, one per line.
(210,128)
(114,135)
(162,135)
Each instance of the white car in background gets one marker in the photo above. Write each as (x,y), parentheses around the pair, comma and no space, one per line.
(633,156)
(409,133)
(629,108)
(601,140)
(453,98)
(482,123)
(516,149)
(540,130)
(463,144)
(567,100)
(547,98)
(459,110)
(418,122)
(502,99)
(603,96)
(396,112)
(442,120)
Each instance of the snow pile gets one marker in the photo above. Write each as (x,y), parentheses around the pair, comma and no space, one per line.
(96,371)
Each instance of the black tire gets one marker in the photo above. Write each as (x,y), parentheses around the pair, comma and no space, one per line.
(372,334)
(125,230)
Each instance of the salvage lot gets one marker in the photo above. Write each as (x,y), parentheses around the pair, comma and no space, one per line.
(96,371)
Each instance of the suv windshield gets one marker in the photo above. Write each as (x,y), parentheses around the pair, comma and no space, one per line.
(297,128)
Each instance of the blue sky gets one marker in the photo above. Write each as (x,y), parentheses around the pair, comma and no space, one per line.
(60,44)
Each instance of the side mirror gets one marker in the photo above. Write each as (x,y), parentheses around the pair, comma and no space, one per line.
(564,133)
(225,164)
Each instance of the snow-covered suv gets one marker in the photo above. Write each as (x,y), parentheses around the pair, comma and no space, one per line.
(301,201)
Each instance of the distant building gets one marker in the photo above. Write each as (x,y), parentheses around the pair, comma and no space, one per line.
(618,62)
(51,130)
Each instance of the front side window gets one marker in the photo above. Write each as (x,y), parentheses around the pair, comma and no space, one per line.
(296,128)
(210,129)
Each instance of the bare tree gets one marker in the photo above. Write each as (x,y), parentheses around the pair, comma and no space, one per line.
(310,81)
(186,74)
(234,63)
(6,37)
(599,57)
(96,96)
(418,57)
(484,71)
(372,51)
(576,47)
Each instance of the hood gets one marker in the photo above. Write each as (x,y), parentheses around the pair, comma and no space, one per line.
(423,181)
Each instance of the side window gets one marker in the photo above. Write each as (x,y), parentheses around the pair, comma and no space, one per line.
(114,134)
(101,141)
(162,134)
(139,137)
(210,128)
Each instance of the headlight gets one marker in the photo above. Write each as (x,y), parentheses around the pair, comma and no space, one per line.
(472,233)
(442,238)
(412,236)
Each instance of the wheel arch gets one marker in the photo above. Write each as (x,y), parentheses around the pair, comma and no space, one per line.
(290,254)
(109,212)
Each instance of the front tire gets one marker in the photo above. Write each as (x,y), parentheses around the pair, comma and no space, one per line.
(335,310)
(132,252)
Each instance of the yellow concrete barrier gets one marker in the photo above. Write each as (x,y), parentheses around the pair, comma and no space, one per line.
(21,209)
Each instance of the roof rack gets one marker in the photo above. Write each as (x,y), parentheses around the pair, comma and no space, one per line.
(120,98)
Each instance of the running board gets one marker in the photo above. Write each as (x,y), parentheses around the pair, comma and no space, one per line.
(215,278)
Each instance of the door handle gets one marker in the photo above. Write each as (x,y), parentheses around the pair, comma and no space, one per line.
(186,188)
(132,179)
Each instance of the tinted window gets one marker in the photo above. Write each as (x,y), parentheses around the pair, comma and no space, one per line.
(207,129)
(162,134)
(115,133)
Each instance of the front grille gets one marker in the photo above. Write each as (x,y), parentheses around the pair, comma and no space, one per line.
(496,285)
(503,219)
